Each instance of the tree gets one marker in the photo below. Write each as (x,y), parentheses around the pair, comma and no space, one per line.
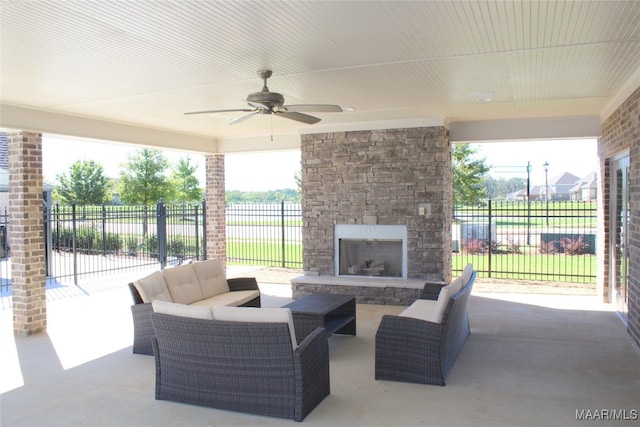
(468,174)
(143,178)
(185,183)
(85,184)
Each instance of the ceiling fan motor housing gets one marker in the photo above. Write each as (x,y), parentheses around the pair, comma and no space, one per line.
(270,99)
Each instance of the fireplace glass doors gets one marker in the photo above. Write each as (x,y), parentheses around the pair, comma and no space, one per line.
(360,257)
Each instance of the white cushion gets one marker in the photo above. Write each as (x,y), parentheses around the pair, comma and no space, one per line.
(232,299)
(212,277)
(260,315)
(466,274)
(422,309)
(183,284)
(456,285)
(443,299)
(153,287)
(182,310)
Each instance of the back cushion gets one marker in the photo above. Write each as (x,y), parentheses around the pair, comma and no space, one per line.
(182,310)
(212,277)
(443,299)
(466,274)
(260,315)
(183,284)
(153,287)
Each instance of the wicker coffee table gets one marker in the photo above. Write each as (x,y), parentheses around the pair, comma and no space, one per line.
(335,313)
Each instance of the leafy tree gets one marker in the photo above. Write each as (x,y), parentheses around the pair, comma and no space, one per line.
(185,183)
(143,178)
(468,174)
(85,184)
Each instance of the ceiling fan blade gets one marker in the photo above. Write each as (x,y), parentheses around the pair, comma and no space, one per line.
(313,108)
(243,118)
(299,117)
(218,111)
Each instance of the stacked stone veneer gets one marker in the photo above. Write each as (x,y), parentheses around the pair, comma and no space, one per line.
(379,177)
(26,237)
(621,131)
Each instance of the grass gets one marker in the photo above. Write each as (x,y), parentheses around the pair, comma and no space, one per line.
(265,253)
(556,267)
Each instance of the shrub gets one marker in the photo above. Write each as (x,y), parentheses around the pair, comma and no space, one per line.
(552,247)
(474,246)
(574,246)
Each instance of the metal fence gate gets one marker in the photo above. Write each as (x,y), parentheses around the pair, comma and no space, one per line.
(554,241)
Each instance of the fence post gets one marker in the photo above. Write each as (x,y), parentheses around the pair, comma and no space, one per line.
(104,230)
(73,243)
(282,223)
(161,233)
(490,241)
(195,215)
(204,229)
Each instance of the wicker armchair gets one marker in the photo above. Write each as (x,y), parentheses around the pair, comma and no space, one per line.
(419,351)
(240,366)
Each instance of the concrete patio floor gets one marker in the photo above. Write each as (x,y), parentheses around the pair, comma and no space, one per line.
(531,360)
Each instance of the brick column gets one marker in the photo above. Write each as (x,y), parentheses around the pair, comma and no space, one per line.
(26,236)
(216,226)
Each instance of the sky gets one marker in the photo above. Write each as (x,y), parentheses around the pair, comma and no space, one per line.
(276,170)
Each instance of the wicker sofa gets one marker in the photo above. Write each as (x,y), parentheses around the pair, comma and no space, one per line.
(239,359)
(421,344)
(201,283)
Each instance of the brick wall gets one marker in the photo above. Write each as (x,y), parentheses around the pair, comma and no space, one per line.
(378,177)
(26,238)
(215,200)
(621,131)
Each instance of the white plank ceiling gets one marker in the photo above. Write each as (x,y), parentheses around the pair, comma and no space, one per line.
(144,63)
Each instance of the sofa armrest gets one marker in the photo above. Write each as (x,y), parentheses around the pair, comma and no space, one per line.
(408,349)
(311,366)
(243,284)
(431,291)
(137,299)
(142,328)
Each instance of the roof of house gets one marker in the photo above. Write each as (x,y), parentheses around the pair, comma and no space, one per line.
(564,178)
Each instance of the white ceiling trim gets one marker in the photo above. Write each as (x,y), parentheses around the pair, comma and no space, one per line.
(521,129)
(13,117)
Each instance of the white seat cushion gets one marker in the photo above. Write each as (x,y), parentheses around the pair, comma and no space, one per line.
(232,299)
(260,315)
(174,309)
(212,277)
(183,284)
(422,309)
(153,287)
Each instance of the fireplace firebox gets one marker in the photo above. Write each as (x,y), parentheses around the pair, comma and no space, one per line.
(370,250)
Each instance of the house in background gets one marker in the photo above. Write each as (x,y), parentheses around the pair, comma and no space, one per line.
(586,189)
(559,187)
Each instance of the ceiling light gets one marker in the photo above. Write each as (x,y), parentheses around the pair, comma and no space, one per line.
(482,96)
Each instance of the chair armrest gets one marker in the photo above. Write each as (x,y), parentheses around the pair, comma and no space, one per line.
(243,284)
(311,366)
(408,349)
(137,299)
(431,290)
(142,328)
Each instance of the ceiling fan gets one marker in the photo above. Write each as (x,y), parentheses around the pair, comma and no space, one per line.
(266,102)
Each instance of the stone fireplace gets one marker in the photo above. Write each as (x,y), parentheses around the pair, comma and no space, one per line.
(366,183)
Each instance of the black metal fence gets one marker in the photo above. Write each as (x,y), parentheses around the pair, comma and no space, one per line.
(554,241)
(265,234)
(508,240)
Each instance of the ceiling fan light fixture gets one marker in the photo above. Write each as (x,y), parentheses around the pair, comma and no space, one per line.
(483,96)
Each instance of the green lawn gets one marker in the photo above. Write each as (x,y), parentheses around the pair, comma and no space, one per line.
(265,253)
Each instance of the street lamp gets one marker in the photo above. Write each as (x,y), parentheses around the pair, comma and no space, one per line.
(546,187)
